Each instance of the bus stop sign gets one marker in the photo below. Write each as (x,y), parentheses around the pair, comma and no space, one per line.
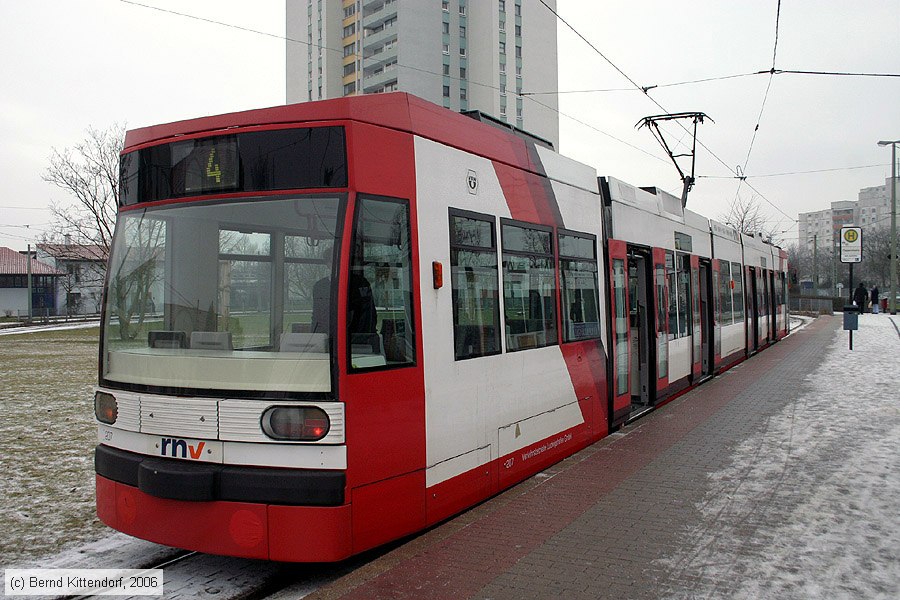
(851,244)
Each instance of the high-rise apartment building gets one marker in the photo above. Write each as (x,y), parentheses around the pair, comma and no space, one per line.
(874,207)
(872,210)
(824,225)
(461,54)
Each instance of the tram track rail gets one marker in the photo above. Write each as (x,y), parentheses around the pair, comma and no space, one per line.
(188,574)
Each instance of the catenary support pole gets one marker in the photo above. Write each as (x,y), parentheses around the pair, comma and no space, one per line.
(892,299)
(30,300)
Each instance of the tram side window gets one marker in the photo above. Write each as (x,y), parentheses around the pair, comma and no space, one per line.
(380,323)
(776,289)
(738,291)
(678,271)
(580,291)
(476,286)
(662,356)
(684,295)
(780,288)
(529,286)
(718,291)
(621,326)
(725,293)
(673,295)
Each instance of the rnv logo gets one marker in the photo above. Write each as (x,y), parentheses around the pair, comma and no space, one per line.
(180,448)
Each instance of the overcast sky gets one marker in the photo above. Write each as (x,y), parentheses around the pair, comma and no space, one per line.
(68,65)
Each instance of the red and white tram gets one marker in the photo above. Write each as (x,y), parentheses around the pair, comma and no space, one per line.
(332,324)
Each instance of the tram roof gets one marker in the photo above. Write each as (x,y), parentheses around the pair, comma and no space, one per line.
(395,110)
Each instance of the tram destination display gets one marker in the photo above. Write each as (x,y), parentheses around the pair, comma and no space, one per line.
(283,159)
(209,165)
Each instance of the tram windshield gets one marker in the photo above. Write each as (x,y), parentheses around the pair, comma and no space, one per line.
(218,296)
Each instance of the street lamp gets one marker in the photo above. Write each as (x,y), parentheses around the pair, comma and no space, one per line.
(893,296)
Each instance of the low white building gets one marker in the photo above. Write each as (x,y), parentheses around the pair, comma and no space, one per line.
(82,269)
(14,285)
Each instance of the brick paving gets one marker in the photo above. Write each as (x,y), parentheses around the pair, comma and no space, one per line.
(611,521)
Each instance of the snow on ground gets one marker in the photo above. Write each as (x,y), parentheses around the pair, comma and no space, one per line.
(47,435)
(57,327)
(810,507)
(769,536)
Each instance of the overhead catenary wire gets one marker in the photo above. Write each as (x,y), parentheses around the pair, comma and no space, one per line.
(777,22)
(597,50)
(795,172)
(772,71)
(27,238)
(35,226)
(600,131)
(833,73)
(637,86)
(399,65)
(645,90)
(649,87)
(529,95)
(230,25)
(762,108)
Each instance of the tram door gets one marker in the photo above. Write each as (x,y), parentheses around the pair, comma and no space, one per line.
(696,321)
(661,328)
(640,320)
(707,324)
(773,314)
(752,310)
(764,305)
(621,333)
(762,285)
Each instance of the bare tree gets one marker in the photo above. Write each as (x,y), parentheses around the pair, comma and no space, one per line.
(818,267)
(134,273)
(89,172)
(876,263)
(745,216)
(799,263)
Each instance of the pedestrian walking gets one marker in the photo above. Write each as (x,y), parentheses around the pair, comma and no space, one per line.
(861,297)
(875,305)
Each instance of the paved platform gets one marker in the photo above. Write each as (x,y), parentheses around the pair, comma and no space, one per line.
(778,479)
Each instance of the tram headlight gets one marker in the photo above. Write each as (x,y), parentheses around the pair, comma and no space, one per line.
(295,423)
(106,409)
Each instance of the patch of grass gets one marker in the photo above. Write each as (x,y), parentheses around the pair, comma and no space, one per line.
(47,436)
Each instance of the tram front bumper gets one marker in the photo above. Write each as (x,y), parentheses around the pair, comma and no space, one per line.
(234,511)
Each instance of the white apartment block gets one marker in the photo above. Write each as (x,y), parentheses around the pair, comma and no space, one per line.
(821,227)
(461,54)
(872,210)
